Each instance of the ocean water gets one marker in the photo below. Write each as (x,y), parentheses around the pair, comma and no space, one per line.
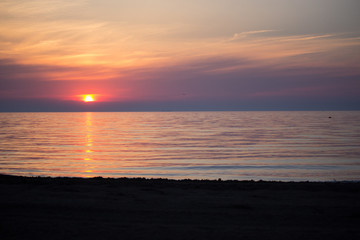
(285,146)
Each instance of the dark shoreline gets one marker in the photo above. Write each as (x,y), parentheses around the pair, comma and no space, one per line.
(139,208)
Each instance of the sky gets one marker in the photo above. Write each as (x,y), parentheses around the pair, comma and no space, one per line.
(161,55)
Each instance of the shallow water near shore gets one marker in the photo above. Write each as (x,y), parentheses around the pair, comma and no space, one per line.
(285,146)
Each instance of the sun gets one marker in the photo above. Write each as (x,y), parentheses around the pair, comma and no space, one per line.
(88,98)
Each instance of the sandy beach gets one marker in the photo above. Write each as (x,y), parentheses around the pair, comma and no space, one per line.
(124,208)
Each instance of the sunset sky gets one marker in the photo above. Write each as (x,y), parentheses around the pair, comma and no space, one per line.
(139,55)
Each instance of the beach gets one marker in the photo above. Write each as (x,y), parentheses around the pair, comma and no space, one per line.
(139,208)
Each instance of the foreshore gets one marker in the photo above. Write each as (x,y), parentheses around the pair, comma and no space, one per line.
(138,208)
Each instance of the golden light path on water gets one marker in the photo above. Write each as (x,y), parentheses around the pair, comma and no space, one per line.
(89,143)
(289,146)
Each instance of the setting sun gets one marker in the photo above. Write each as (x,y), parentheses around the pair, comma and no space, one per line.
(88,98)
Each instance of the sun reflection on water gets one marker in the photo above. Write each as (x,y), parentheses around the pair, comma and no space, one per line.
(88,144)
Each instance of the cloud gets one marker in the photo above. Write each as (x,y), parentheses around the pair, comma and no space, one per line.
(242,35)
(25,8)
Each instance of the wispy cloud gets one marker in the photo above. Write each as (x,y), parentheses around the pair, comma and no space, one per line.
(24,8)
(242,35)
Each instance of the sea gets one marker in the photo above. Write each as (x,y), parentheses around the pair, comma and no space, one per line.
(254,145)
